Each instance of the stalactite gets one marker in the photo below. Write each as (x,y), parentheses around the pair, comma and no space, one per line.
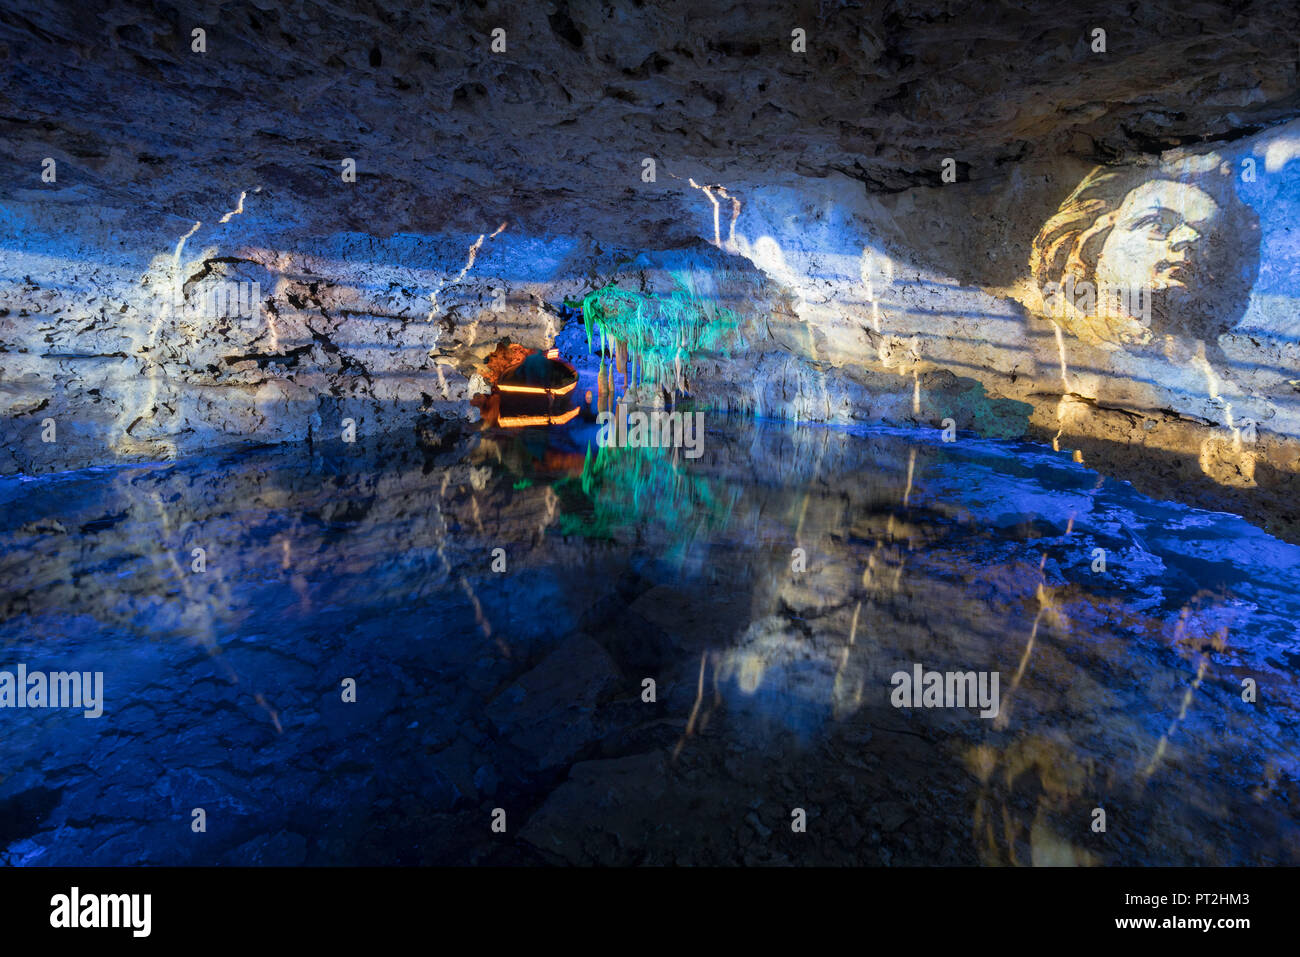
(653,338)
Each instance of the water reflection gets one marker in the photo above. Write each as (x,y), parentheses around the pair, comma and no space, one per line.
(501,606)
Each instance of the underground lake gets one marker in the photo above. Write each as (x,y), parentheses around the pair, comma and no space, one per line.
(366,653)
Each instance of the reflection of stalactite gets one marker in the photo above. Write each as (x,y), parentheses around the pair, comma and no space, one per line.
(480,618)
(298,583)
(1173,725)
(911,467)
(196,615)
(1047,608)
(1197,644)
(998,827)
(880,558)
(695,709)
(841,704)
(478,521)
(552,504)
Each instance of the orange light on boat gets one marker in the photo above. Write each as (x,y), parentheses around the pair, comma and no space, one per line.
(518,421)
(538,390)
(523,388)
(552,353)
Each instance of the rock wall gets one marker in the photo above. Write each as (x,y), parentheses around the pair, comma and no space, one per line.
(386,198)
(235,329)
(954,301)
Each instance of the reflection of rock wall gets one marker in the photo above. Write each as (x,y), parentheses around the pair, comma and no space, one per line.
(1124,696)
(484,688)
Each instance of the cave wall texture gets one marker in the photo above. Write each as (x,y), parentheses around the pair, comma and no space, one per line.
(804,189)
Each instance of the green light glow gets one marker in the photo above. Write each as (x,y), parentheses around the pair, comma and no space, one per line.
(646,488)
(663,332)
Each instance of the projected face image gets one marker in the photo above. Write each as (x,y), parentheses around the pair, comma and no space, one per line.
(1160,239)
(1144,261)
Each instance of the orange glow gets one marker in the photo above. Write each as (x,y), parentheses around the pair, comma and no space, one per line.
(538,390)
(517,421)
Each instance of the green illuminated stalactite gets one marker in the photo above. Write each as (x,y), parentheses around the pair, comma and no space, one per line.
(661,333)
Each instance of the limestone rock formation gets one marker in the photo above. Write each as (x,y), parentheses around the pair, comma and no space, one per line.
(309,218)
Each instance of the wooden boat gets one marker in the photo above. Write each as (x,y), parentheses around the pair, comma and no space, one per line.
(535,391)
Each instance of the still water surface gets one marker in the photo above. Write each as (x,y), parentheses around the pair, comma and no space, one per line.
(1121,629)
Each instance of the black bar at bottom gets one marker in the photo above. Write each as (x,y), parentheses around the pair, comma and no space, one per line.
(333,905)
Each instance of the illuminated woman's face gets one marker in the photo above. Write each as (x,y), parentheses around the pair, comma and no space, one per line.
(1161,238)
